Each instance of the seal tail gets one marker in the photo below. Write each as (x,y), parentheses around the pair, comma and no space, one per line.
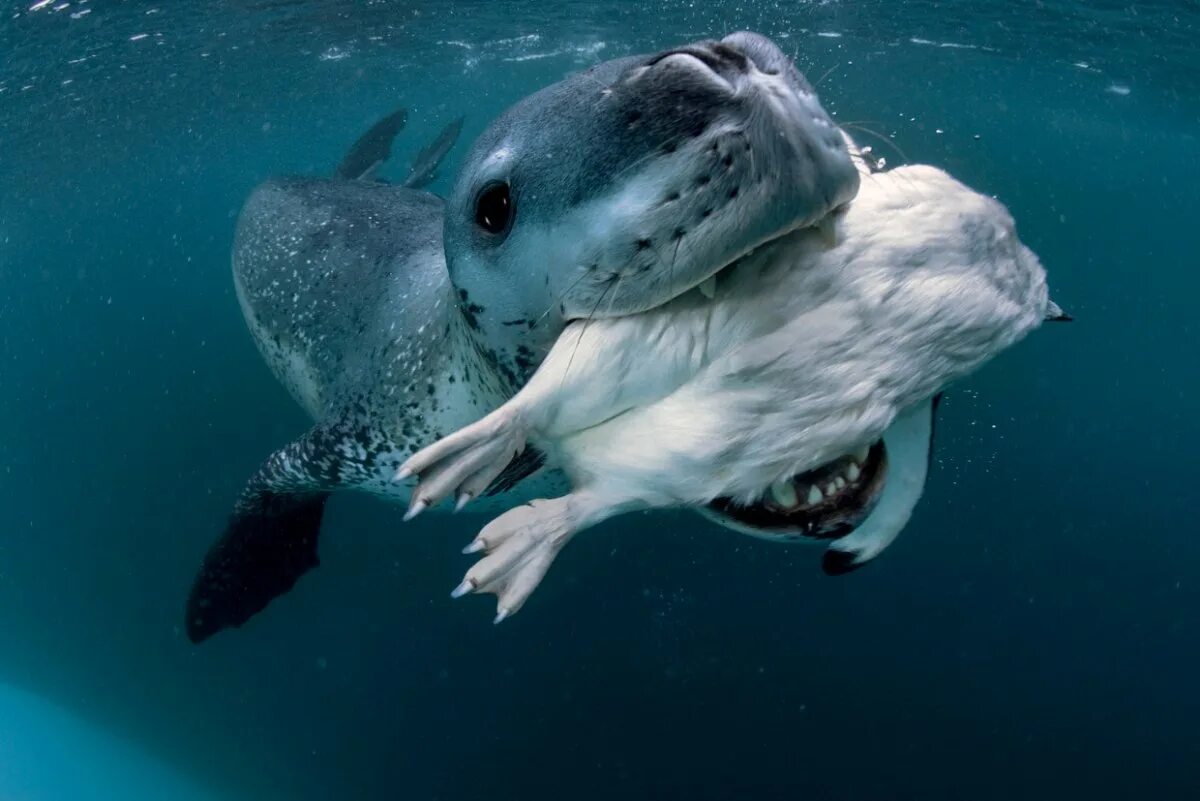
(268,544)
(372,149)
(425,164)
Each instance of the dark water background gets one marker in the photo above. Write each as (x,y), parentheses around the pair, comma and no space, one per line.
(1033,634)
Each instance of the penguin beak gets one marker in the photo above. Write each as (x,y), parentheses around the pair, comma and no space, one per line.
(1055,314)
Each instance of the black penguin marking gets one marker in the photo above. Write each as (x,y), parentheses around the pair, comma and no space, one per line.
(524,465)
(839,563)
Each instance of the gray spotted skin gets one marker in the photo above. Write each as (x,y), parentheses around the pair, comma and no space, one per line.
(344,286)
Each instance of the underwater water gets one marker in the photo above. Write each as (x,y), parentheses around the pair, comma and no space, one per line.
(1034,632)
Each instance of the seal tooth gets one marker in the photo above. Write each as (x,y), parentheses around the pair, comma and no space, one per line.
(828,230)
(708,287)
(840,482)
(785,494)
(815,495)
(830,488)
(853,472)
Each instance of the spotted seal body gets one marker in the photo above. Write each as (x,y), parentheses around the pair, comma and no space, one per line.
(395,320)
(344,287)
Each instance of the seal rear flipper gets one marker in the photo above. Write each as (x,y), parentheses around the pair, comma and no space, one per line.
(372,149)
(268,544)
(425,164)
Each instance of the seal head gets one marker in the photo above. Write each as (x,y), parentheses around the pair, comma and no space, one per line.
(624,186)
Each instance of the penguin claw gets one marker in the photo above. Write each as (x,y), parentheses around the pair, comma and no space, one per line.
(521,545)
(415,509)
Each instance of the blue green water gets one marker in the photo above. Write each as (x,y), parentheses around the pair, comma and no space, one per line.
(1033,634)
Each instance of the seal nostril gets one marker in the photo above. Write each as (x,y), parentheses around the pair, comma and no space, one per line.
(717,56)
(731,56)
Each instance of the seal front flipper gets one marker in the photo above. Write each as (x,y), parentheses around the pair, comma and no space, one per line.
(909,446)
(372,149)
(271,538)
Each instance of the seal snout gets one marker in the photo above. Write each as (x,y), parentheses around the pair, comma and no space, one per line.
(718,63)
(719,57)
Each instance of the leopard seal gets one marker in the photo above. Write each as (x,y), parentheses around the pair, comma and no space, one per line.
(395,318)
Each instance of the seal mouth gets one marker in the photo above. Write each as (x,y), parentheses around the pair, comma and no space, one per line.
(825,503)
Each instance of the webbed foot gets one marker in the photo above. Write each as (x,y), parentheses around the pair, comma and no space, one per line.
(465,463)
(519,547)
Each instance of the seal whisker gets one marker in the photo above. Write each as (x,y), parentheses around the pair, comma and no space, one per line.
(586,323)
(858,127)
(674,256)
(825,74)
(558,300)
(603,86)
(670,265)
(616,291)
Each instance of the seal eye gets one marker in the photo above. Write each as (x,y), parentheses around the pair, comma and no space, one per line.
(494,209)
